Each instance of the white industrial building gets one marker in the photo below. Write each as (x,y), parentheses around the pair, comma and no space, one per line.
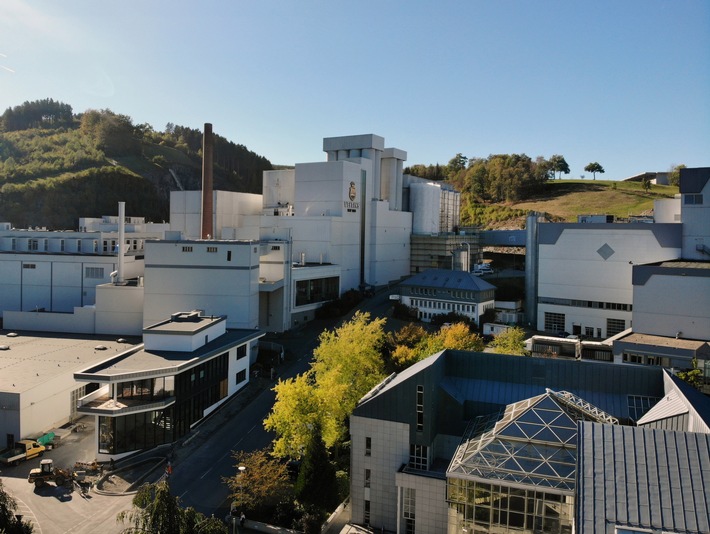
(322,228)
(57,271)
(643,287)
(580,275)
(37,387)
(584,273)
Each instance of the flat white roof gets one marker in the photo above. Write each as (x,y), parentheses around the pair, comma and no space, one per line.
(32,359)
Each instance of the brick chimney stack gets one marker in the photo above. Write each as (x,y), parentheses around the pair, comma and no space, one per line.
(207,200)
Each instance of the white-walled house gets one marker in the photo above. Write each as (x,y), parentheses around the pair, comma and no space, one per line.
(440,292)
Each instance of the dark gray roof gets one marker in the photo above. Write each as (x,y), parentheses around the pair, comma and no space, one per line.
(147,363)
(693,180)
(442,278)
(466,384)
(642,478)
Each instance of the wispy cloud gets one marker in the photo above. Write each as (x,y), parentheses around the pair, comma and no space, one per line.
(8,69)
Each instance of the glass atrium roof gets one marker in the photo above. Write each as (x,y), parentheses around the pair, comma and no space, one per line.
(532,442)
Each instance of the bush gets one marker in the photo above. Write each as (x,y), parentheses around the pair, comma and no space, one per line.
(404,312)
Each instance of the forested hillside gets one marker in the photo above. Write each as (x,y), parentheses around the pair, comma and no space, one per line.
(57,166)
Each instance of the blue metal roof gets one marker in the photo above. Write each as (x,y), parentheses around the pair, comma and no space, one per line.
(444,279)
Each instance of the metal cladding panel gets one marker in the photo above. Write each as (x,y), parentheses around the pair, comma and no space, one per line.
(478,382)
(642,478)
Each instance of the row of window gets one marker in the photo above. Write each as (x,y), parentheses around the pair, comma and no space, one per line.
(446,306)
(644,359)
(483,507)
(89,272)
(622,306)
(555,322)
(693,199)
(108,245)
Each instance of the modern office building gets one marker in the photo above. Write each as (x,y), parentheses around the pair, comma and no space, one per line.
(479,442)
(153,393)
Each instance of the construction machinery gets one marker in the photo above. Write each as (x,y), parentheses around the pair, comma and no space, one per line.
(46,472)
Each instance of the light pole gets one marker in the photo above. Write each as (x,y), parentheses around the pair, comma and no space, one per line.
(241,469)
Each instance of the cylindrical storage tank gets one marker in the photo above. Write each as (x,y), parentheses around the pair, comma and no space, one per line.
(424,202)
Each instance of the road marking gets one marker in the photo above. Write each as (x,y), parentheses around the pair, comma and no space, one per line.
(25,510)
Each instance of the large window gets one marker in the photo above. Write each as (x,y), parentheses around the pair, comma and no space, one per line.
(491,508)
(318,290)
(554,322)
(197,389)
(136,431)
(615,326)
(694,199)
(419,457)
(148,390)
(409,501)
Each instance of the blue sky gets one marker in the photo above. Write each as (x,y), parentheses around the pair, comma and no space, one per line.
(624,83)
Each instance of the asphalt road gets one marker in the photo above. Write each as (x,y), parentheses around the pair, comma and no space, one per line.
(55,510)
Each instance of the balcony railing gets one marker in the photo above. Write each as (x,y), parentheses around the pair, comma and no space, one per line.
(106,405)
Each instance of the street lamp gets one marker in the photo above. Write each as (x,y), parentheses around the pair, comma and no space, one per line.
(241,469)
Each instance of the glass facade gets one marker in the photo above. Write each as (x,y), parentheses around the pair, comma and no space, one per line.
(515,471)
(318,290)
(480,508)
(194,390)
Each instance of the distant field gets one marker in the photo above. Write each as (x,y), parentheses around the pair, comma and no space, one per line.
(569,198)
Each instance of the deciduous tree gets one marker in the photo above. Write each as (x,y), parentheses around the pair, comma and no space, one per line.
(594,168)
(347,364)
(512,341)
(559,165)
(674,175)
(156,511)
(296,408)
(263,483)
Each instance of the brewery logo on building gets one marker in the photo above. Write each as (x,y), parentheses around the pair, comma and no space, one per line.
(352,195)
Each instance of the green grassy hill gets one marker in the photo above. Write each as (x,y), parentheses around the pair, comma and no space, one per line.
(564,200)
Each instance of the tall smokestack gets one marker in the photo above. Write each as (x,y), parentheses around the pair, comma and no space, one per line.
(207,203)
